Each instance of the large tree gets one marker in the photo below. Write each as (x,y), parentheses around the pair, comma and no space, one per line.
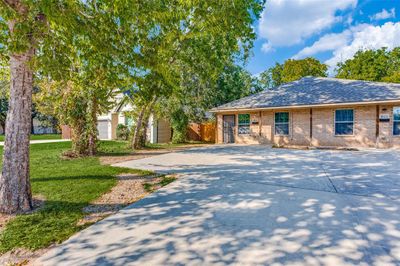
(46,40)
(56,41)
(234,83)
(196,95)
(292,70)
(372,65)
(204,42)
(35,37)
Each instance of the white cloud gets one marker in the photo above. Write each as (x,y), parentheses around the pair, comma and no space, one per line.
(267,47)
(331,42)
(289,22)
(369,37)
(344,45)
(384,14)
(328,42)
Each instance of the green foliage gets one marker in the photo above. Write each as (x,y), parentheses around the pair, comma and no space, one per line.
(143,46)
(67,186)
(272,77)
(4,93)
(179,123)
(372,65)
(292,70)
(3,112)
(122,132)
(183,59)
(234,83)
(197,95)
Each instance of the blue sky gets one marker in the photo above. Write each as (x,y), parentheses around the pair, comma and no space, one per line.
(329,30)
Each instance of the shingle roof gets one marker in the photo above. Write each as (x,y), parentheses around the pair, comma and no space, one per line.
(317,91)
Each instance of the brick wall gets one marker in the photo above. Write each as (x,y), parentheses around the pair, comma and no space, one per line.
(366,126)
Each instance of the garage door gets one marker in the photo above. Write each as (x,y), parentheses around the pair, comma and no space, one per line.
(102,127)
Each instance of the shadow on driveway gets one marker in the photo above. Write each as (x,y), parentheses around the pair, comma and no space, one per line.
(253,205)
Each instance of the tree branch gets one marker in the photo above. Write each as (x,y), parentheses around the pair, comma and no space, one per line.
(15,5)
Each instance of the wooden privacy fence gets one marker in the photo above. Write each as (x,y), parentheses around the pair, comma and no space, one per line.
(202,132)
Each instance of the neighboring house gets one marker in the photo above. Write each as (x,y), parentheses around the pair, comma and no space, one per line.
(315,112)
(39,127)
(158,131)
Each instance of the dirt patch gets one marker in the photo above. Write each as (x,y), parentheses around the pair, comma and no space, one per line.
(145,153)
(130,188)
(22,256)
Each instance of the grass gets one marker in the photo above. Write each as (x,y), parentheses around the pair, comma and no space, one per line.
(165,180)
(39,137)
(67,186)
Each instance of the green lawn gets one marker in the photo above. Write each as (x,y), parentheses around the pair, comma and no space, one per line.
(68,186)
(39,137)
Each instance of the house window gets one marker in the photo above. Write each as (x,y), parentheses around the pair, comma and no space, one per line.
(128,121)
(344,122)
(282,123)
(244,124)
(396,121)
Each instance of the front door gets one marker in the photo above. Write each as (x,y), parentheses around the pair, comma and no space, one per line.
(229,127)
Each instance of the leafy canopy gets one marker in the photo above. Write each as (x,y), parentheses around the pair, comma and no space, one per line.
(372,65)
(292,70)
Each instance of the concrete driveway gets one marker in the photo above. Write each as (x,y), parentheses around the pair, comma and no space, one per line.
(252,205)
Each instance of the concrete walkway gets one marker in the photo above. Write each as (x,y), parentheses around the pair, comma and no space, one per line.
(251,205)
(42,141)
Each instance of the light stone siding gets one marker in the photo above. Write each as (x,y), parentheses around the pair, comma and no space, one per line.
(366,127)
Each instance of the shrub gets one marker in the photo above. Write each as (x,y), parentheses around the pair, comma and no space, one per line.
(179,124)
(122,132)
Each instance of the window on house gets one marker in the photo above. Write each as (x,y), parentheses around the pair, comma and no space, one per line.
(244,124)
(128,121)
(282,123)
(344,122)
(396,121)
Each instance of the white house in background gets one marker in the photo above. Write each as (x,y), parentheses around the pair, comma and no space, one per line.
(158,130)
(38,128)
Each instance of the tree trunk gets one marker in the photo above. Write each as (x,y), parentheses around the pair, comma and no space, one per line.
(138,127)
(92,136)
(79,143)
(143,134)
(15,188)
(149,110)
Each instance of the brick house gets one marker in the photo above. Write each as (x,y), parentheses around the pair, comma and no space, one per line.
(312,111)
